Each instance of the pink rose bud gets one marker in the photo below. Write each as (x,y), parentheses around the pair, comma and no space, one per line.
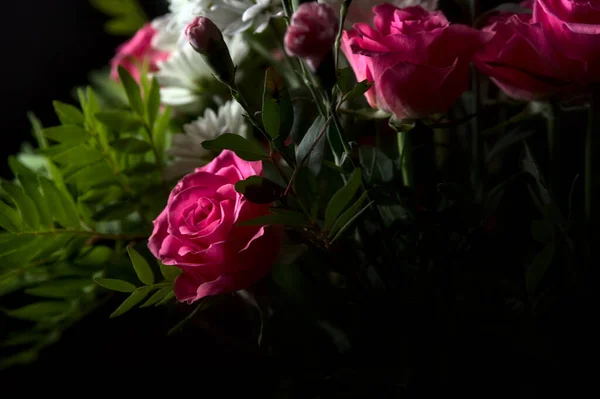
(207,40)
(311,33)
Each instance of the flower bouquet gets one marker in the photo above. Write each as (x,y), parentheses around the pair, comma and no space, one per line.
(370,181)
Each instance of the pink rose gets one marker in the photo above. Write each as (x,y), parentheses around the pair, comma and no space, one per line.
(418,61)
(197,231)
(132,54)
(520,60)
(311,33)
(574,28)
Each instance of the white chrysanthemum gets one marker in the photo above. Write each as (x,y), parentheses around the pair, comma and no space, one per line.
(231,16)
(181,76)
(187,147)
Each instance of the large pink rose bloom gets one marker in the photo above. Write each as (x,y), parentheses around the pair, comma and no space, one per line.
(198,231)
(574,28)
(520,59)
(418,61)
(132,54)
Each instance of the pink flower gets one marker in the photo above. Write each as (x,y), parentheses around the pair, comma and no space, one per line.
(132,54)
(520,60)
(418,61)
(311,33)
(573,26)
(198,231)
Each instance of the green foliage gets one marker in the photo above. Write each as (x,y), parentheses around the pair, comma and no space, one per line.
(279,216)
(259,190)
(245,149)
(127,15)
(313,145)
(342,198)
(162,291)
(277,110)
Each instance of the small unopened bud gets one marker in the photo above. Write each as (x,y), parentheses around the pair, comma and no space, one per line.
(312,33)
(204,36)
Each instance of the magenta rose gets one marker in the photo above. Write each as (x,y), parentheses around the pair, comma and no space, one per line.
(521,60)
(132,54)
(198,231)
(418,61)
(574,28)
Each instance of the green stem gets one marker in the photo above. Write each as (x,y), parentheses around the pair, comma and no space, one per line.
(553,129)
(405,158)
(338,38)
(592,147)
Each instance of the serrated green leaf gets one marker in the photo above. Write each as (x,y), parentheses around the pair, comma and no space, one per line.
(141,266)
(170,273)
(245,149)
(278,216)
(115,285)
(341,199)
(314,133)
(72,134)
(130,145)
(40,310)
(133,91)
(68,114)
(9,218)
(25,205)
(157,297)
(136,297)
(63,209)
(153,102)
(120,121)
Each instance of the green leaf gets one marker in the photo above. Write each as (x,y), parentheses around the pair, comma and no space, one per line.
(91,176)
(132,89)
(9,218)
(358,90)
(115,285)
(114,7)
(136,297)
(124,26)
(347,215)
(159,133)
(119,121)
(278,216)
(350,221)
(60,288)
(31,188)
(63,208)
(170,273)
(247,150)
(130,145)
(259,190)
(76,156)
(341,199)
(314,133)
(153,102)
(537,269)
(40,310)
(36,130)
(24,204)
(157,297)
(376,165)
(18,168)
(277,109)
(346,79)
(72,134)
(142,168)
(68,114)
(141,266)
(170,295)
